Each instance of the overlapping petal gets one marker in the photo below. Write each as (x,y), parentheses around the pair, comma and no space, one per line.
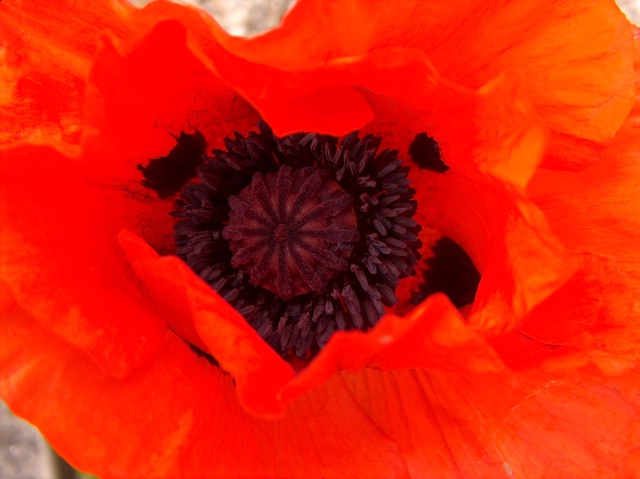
(203,318)
(42,79)
(577,58)
(451,425)
(518,95)
(61,265)
(192,424)
(604,233)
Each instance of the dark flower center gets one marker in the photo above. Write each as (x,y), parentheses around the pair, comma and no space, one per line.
(291,231)
(304,235)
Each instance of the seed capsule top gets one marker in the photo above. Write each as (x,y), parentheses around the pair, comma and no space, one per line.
(292,231)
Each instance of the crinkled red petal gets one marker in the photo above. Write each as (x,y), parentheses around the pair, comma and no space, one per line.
(434,336)
(146,91)
(444,396)
(576,58)
(594,212)
(202,317)
(177,416)
(454,424)
(43,79)
(61,263)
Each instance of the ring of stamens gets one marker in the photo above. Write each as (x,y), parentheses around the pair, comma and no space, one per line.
(298,282)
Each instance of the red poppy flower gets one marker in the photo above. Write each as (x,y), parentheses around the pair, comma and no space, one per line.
(107,338)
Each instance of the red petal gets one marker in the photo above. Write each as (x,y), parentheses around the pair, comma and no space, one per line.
(192,308)
(143,93)
(594,212)
(146,91)
(43,79)
(62,265)
(452,425)
(192,424)
(575,58)
(433,336)
(493,143)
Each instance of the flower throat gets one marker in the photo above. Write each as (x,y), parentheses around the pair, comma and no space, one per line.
(303,235)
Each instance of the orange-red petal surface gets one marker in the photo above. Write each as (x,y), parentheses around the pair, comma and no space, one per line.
(47,50)
(178,416)
(505,425)
(576,57)
(62,265)
(595,214)
(504,87)
(145,92)
(432,336)
(196,311)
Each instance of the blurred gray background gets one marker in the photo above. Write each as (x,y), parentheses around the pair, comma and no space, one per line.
(240,17)
(24,454)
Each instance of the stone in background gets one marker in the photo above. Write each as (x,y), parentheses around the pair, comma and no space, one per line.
(23,452)
(241,17)
(631,8)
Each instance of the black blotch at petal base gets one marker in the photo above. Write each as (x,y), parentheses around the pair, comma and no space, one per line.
(449,271)
(425,152)
(168,175)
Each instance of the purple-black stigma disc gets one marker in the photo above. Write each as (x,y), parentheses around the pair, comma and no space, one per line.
(291,231)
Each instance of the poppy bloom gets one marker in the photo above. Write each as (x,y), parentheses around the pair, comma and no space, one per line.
(514,123)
